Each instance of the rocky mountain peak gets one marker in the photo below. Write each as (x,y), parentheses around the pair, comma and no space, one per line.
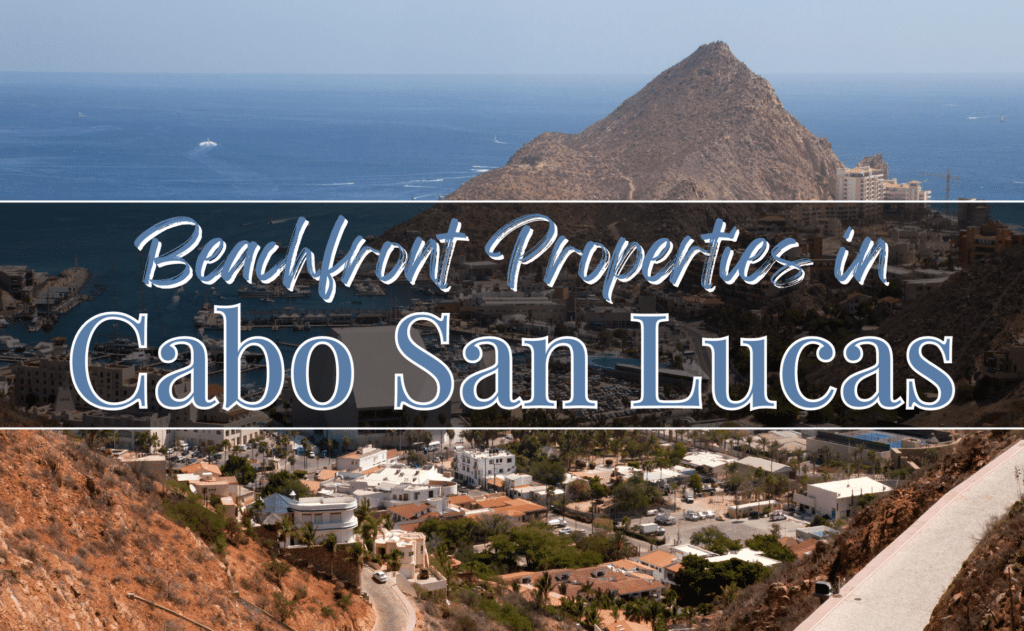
(706,128)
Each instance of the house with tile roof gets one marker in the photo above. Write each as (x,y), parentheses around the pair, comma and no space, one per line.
(602,578)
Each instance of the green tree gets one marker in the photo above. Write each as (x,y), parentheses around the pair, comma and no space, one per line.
(543,586)
(771,547)
(547,471)
(240,467)
(307,534)
(696,483)
(635,494)
(713,539)
(284,482)
(145,441)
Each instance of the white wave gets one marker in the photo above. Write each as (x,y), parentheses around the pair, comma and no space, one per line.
(336,184)
(481,170)
(480,166)
(440,179)
(418,186)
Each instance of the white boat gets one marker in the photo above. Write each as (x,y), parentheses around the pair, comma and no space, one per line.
(207,143)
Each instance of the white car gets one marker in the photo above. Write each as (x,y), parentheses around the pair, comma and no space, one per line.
(565,531)
(380,577)
(707,514)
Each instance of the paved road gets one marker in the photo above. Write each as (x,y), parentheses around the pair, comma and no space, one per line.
(898,590)
(393,610)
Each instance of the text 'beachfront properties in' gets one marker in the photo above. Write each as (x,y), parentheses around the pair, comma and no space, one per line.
(491,385)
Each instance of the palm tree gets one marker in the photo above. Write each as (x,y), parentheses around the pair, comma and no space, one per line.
(369,529)
(307,535)
(688,614)
(394,560)
(287,530)
(762,443)
(729,593)
(670,598)
(330,543)
(363,510)
(544,585)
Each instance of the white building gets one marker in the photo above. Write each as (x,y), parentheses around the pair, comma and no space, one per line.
(412,545)
(907,192)
(474,466)
(714,461)
(838,499)
(859,183)
(394,486)
(363,458)
(328,514)
(745,554)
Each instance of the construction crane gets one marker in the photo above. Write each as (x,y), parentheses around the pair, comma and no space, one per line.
(947,176)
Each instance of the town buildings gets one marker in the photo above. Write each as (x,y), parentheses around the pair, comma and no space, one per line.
(838,499)
(474,466)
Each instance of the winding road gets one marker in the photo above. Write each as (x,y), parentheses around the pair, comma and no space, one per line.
(393,609)
(900,587)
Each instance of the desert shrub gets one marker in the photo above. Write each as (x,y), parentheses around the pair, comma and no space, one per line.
(506,614)
(8,514)
(209,526)
(283,607)
(253,583)
(276,570)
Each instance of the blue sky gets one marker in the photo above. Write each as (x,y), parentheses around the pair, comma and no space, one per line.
(523,37)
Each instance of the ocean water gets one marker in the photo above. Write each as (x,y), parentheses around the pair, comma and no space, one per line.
(309,137)
(320,138)
(137,137)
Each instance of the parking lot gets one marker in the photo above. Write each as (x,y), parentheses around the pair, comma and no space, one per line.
(741,529)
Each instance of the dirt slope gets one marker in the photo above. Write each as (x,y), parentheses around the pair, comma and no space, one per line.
(79,531)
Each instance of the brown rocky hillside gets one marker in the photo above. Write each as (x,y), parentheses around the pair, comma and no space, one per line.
(706,128)
(986,593)
(80,531)
(787,598)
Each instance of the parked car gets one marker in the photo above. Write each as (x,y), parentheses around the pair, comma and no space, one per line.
(664,520)
(777,516)
(380,577)
(692,515)
(707,514)
(565,531)
(652,511)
